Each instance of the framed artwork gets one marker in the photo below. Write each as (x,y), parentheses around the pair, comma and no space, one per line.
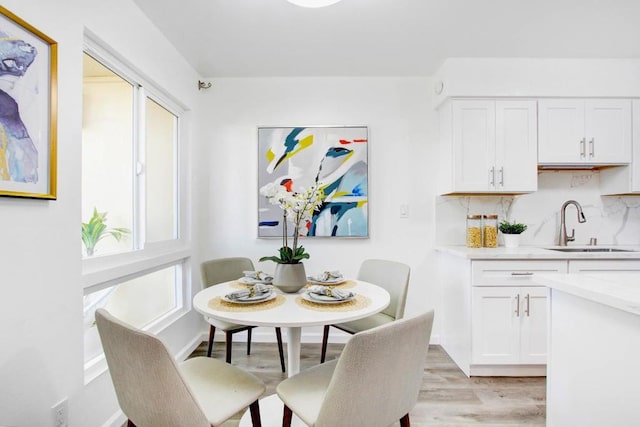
(337,156)
(28,110)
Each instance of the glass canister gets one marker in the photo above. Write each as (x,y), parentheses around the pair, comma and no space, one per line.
(474,231)
(490,231)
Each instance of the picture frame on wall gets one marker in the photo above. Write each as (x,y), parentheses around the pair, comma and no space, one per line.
(337,156)
(28,110)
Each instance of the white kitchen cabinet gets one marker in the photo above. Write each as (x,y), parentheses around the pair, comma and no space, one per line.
(604,266)
(495,315)
(625,179)
(509,325)
(584,131)
(488,146)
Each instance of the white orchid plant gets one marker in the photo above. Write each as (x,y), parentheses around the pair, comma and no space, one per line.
(298,208)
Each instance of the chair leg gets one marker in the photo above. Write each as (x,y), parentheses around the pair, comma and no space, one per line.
(212,332)
(249,341)
(325,338)
(229,336)
(279,338)
(404,421)
(286,417)
(255,414)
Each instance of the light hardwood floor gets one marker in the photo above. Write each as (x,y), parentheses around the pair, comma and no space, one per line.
(447,398)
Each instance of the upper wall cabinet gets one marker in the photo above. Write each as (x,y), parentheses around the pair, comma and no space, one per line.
(488,146)
(625,179)
(584,131)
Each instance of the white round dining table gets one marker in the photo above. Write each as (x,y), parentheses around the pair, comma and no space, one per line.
(291,315)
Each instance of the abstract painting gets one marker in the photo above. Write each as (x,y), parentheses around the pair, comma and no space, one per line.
(28,80)
(336,156)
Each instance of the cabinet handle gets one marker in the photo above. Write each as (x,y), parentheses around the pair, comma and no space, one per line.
(502,176)
(592,151)
(521,273)
(518,305)
(526,310)
(583,148)
(492,177)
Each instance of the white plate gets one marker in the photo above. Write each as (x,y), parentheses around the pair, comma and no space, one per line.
(251,281)
(251,300)
(323,299)
(329,282)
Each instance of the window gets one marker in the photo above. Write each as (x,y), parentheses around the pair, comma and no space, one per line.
(138,268)
(131,302)
(129,160)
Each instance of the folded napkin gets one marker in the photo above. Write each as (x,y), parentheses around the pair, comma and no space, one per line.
(331,292)
(258,275)
(329,275)
(257,290)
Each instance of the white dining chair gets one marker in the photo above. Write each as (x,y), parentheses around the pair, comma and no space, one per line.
(154,391)
(221,270)
(374,383)
(390,275)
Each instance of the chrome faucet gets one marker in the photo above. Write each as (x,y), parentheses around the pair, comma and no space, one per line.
(564,237)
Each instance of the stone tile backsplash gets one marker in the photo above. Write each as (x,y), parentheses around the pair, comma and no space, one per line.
(613,220)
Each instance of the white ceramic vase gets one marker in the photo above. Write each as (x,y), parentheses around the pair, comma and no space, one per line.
(511,240)
(290,278)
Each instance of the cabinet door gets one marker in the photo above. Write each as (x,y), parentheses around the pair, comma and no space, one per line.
(635,142)
(516,146)
(473,145)
(561,136)
(495,325)
(608,130)
(533,325)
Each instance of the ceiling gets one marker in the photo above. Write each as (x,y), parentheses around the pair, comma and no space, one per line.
(254,38)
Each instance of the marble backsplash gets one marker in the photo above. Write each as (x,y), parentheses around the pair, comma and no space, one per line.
(613,220)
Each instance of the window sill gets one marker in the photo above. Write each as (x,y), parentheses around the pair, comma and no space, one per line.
(102,272)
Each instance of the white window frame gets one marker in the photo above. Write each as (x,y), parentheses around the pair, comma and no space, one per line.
(108,270)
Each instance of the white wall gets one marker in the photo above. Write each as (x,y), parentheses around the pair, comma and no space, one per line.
(537,77)
(402,131)
(41,360)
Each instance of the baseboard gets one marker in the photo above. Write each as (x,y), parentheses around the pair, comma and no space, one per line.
(191,346)
(117,420)
(508,370)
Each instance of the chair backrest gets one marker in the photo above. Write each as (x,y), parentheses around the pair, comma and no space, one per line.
(148,384)
(378,375)
(391,275)
(223,270)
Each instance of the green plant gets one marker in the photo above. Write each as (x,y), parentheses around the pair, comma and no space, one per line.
(512,227)
(96,230)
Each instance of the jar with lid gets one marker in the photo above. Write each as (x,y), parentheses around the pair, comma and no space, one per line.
(474,231)
(490,231)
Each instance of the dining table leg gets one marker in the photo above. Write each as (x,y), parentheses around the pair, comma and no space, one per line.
(293,350)
(271,407)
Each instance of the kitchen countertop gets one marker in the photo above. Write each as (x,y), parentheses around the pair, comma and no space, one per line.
(538,252)
(621,290)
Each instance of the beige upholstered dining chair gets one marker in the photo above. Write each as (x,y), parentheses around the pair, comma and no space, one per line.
(221,270)
(154,391)
(375,381)
(392,276)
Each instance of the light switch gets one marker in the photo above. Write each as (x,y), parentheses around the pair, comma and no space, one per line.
(404,211)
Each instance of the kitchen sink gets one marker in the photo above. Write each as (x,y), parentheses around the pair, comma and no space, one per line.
(590,250)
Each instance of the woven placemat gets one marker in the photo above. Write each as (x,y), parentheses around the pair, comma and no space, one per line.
(357,303)
(344,285)
(219,304)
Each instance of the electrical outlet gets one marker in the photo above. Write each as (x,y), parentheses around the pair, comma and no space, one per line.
(60,416)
